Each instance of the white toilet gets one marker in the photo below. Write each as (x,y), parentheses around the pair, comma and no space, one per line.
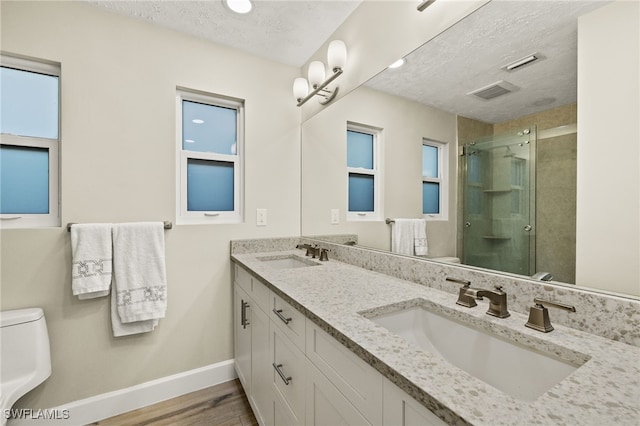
(26,358)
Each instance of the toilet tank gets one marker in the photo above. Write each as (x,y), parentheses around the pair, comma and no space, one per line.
(24,346)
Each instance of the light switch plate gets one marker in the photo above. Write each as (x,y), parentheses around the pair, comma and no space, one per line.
(335,216)
(261,217)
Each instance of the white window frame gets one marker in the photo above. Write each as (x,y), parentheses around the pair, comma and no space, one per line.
(184,217)
(376,172)
(442,178)
(51,219)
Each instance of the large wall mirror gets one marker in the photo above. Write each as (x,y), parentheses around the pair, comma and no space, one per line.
(482,121)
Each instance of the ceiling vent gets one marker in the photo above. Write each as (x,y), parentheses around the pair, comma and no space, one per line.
(523,62)
(494,90)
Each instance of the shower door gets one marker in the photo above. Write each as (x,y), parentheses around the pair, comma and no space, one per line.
(499,202)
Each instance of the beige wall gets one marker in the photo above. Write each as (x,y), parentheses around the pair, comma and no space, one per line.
(608,203)
(118,149)
(404,125)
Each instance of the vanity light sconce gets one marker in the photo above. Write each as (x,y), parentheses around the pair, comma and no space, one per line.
(337,59)
(425,4)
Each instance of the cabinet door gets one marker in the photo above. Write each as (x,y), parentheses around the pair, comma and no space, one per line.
(260,366)
(326,406)
(401,410)
(242,337)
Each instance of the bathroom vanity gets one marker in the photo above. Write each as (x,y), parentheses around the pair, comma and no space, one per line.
(330,342)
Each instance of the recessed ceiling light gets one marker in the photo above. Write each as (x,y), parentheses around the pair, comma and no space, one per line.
(397,64)
(239,6)
(197,121)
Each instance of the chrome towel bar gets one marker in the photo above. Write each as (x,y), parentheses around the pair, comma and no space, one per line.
(167,225)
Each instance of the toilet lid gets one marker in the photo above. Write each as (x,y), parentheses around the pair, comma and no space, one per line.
(20,316)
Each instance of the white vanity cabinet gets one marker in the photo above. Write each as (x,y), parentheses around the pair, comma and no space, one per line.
(251,341)
(294,373)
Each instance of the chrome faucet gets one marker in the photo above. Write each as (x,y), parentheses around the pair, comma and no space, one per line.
(497,300)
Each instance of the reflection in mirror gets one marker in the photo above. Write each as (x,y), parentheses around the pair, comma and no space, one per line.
(499,89)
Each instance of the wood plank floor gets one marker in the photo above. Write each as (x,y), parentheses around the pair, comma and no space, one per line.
(221,405)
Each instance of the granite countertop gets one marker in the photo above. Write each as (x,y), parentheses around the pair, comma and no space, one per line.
(339,297)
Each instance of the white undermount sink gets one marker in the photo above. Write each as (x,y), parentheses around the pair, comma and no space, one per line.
(516,370)
(289,261)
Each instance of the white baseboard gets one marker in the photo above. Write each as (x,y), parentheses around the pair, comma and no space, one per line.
(111,404)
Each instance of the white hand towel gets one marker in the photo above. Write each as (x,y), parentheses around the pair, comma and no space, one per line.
(140,285)
(402,236)
(91,260)
(420,237)
(409,236)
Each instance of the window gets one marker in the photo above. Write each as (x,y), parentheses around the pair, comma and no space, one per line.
(210,136)
(434,179)
(30,128)
(363,170)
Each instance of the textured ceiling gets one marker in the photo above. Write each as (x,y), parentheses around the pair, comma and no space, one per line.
(288,32)
(470,56)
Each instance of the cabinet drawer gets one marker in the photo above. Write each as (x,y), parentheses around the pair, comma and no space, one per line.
(289,319)
(254,288)
(354,378)
(288,373)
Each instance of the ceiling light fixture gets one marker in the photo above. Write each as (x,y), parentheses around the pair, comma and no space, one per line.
(337,59)
(425,4)
(397,64)
(239,6)
(527,60)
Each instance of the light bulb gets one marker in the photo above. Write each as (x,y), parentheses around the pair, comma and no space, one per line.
(316,73)
(239,6)
(337,55)
(397,64)
(300,88)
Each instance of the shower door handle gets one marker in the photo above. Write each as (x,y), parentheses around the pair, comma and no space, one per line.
(528,228)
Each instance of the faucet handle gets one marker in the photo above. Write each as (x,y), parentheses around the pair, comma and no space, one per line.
(324,254)
(539,314)
(463,299)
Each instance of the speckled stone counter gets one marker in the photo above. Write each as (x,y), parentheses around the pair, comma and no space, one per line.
(604,390)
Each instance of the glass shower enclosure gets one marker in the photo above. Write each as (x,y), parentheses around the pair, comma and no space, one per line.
(499,202)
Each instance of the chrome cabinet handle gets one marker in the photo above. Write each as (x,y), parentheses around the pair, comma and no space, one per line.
(528,228)
(467,224)
(283,376)
(243,314)
(278,313)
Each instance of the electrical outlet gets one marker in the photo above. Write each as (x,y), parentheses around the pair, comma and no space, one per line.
(335,216)
(261,217)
